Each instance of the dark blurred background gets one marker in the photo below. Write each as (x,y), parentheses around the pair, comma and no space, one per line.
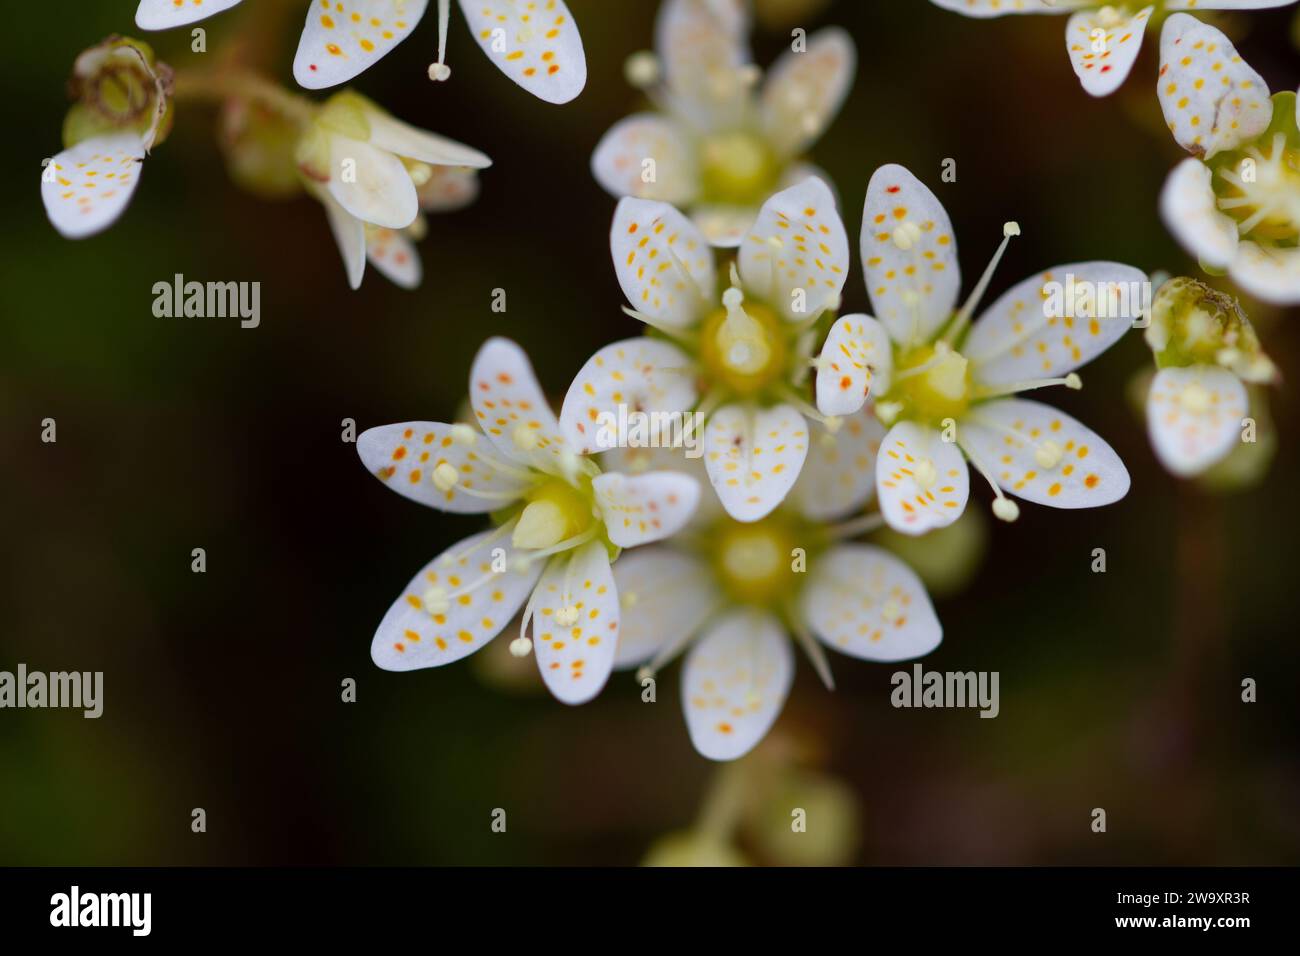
(222,690)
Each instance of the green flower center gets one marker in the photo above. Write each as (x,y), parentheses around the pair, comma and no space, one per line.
(555,511)
(1260,189)
(738,168)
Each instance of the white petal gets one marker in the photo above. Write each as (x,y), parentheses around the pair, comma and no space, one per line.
(702,45)
(804,91)
(404,456)
(511,407)
(620,162)
(651,381)
(402,139)
(414,634)
(639,509)
(921,479)
(350,234)
(664,598)
(340,42)
(91,183)
(723,225)
(371,184)
(753,456)
(165,14)
(1188,206)
(542,50)
(1043,328)
(1194,416)
(394,255)
(839,476)
(856,359)
(1269,273)
(1225,4)
(734,683)
(864,602)
(663,263)
(1212,99)
(1040,454)
(796,254)
(576,658)
(913,289)
(638,461)
(1000,8)
(448,188)
(1103,52)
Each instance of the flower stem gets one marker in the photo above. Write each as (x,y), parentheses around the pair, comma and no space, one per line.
(218,85)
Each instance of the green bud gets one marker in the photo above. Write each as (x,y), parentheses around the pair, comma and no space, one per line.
(260,146)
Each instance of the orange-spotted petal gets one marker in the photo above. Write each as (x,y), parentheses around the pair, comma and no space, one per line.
(575,622)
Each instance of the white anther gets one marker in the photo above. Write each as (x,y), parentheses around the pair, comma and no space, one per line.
(642,69)
(925,474)
(462,434)
(438,72)
(891,611)
(444,477)
(628,598)
(906,235)
(525,438)
(566,616)
(1048,454)
(1006,509)
(833,423)
(521,647)
(1073,381)
(1010,229)
(732,298)
(436,601)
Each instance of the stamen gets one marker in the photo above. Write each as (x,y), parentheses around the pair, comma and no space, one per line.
(682,336)
(440,71)
(1003,507)
(1071,381)
(642,69)
(814,650)
(959,324)
(865,524)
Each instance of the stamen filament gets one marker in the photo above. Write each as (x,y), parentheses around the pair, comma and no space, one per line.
(1071,381)
(963,318)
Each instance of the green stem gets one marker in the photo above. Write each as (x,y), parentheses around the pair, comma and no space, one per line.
(216,86)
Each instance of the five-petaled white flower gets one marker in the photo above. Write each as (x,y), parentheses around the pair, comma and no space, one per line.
(943,384)
(534,42)
(714,146)
(374,174)
(1235,204)
(743,353)
(1207,352)
(736,590)
(560,522)
(1102,39)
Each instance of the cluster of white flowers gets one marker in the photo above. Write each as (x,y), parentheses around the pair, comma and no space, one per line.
(818,427)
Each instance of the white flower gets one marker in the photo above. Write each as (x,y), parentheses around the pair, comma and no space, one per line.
(534,42)
(1207,352)
(943,384)
(166,14)
(122,111)
(1236,203)
(1101,38)
(373,174)
(743,353)
(561,523)
(716,146)
(733,591)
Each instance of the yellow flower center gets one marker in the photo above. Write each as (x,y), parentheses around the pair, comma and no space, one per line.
(933,382)
(737,168)
(1260,188)
(744,347)
(555,511)
(754,562)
